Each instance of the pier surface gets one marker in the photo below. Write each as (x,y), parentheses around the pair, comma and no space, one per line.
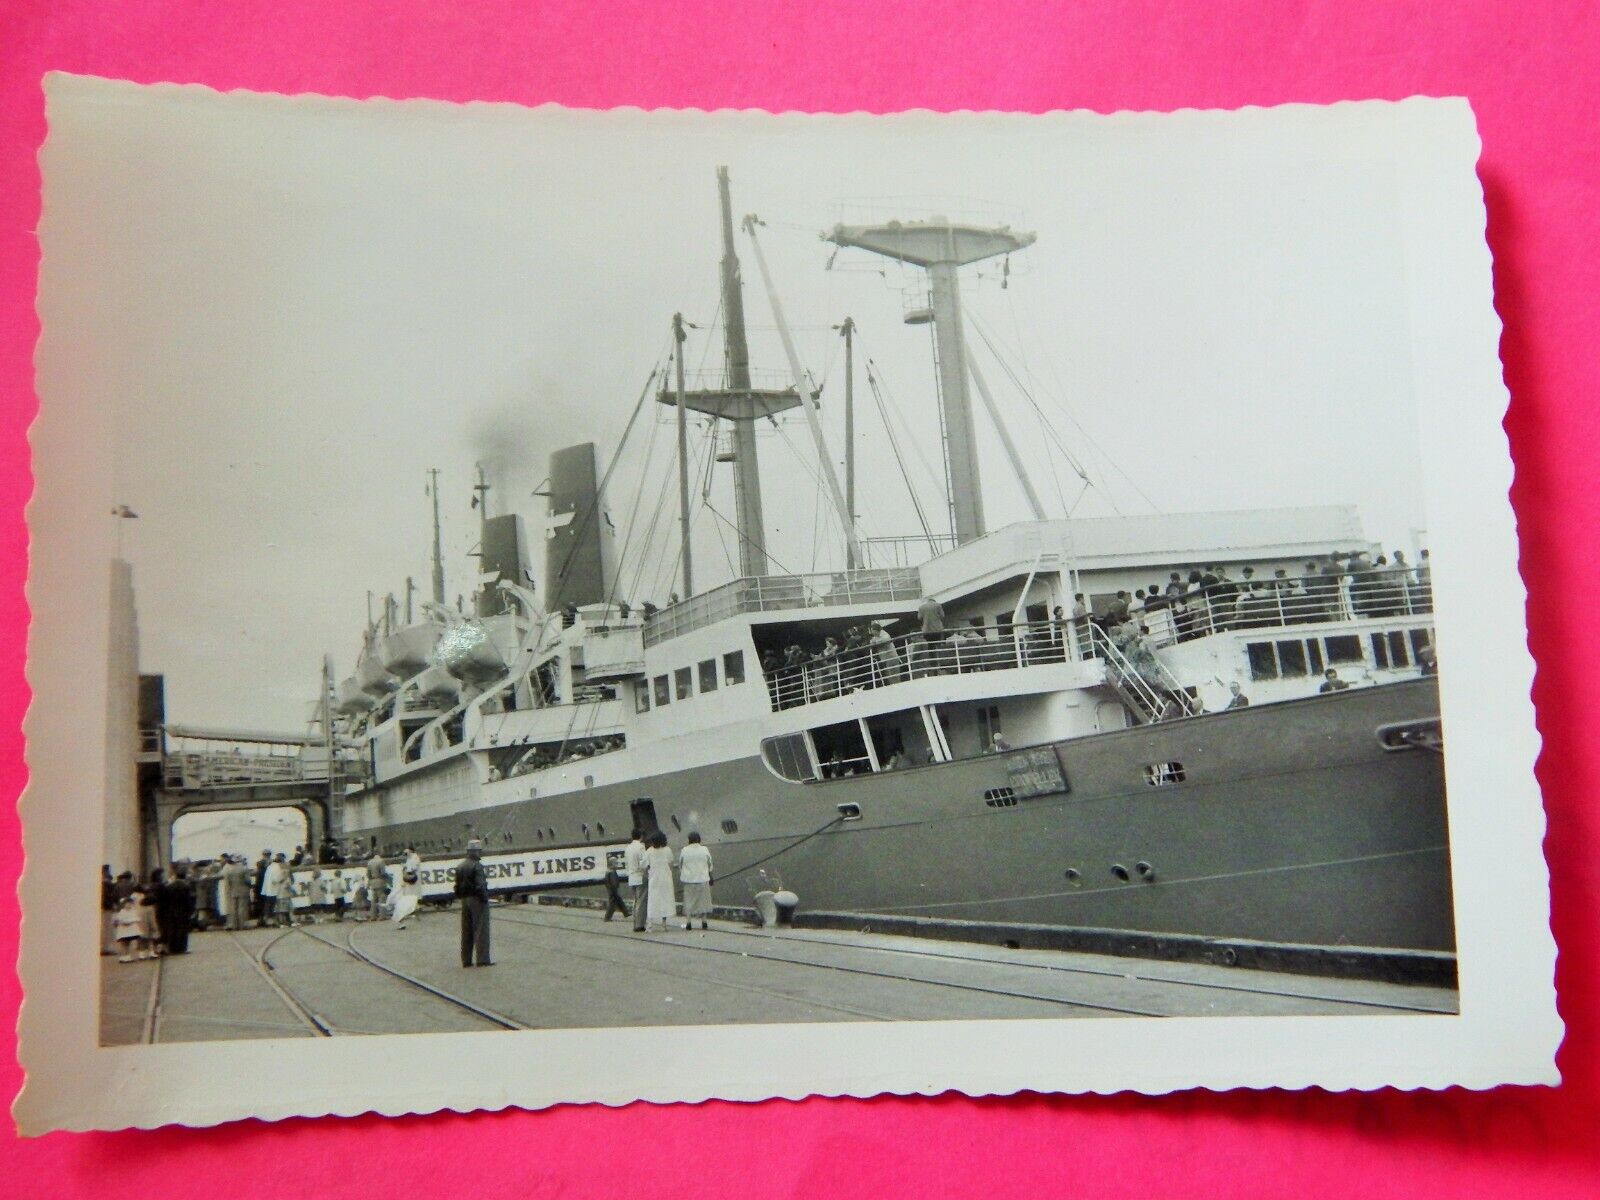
(567,968)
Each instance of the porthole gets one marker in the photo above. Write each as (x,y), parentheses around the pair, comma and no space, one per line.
(850,812)
(1000,797)
(729,825)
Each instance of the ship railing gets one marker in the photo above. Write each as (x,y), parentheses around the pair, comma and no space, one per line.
(777,593)
(966,651)
(909,550)
(1140,677)
(1274,603)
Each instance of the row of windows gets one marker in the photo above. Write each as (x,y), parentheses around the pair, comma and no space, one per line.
(1298,658)
(681,683)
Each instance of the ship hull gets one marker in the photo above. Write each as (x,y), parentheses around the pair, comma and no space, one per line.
(1291,824)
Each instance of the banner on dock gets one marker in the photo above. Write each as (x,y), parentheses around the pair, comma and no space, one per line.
(515,871)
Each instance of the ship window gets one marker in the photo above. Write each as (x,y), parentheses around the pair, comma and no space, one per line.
(1263,662)
(1390,650)
(1344,649)
(1292,659)
(641,697)
(1314,656)
(708,675)
(663,695)
(684,681)
(733,668)
(1000,797)
(1163,773)
(1420,640)
(729,825)
(787,758)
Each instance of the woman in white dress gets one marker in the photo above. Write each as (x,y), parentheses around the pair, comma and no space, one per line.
(409,894)
(660,898)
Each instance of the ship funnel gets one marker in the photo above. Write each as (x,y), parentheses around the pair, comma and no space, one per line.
(505,560)
(579,541)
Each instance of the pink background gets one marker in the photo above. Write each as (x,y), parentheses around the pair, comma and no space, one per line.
(1528,67)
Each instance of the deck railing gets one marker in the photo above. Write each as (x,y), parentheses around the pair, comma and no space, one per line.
(776,593)
(964,651)
(1273,603)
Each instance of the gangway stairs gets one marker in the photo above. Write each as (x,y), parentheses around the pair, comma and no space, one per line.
(1144,701)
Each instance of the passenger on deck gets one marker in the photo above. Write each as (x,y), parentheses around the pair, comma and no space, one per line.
(1332,683)
(889,668)
(1236,697)
(998,744)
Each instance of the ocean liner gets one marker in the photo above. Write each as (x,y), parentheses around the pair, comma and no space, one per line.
(1163,724)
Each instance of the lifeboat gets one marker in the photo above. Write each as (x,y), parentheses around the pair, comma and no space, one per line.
(409,650)
(479,650)
(349,700)
(438,687)
(372,678)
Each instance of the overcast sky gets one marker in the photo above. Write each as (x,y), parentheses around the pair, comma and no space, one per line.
(292,308)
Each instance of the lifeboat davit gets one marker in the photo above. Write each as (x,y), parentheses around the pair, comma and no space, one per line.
(437,686)
(409,650)
(478,651)
(349,700)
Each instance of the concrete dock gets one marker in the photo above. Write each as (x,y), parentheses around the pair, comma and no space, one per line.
(561,967)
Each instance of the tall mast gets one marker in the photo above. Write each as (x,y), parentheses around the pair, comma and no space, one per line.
(847,330)
(746,471)
(942,247)
(438,553)
(678,337)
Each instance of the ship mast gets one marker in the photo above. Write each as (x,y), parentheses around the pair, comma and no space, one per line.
(737,402)
(942,248)
(746,470)
(438,553)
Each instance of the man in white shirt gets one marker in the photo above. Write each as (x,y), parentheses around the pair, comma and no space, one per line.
(274,881)
(694,873)
(633,863)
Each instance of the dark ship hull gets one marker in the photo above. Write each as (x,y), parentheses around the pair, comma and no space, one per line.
(1291,822)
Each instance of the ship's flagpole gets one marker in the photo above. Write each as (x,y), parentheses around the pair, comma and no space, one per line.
(808,403)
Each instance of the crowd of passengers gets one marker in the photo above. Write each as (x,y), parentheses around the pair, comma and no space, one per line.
(540,757)
(1339,587)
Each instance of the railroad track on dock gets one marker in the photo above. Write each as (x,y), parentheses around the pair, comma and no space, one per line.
(893,976)
(318,1023)
(1108,973)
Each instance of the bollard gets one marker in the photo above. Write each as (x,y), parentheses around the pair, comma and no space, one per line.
(786,902)
(766,909)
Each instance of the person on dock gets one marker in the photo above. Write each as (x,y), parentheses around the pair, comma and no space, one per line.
(472,888)
(694,872)
(377,880)
(177,903)
(108,909)
(660,896)
(615,904)
(259,909)
(127,928)
(408,896)
(236,889)
(274,879)
(633,864)
(149,916)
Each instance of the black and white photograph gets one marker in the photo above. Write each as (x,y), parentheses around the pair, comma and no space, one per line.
(864,603)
